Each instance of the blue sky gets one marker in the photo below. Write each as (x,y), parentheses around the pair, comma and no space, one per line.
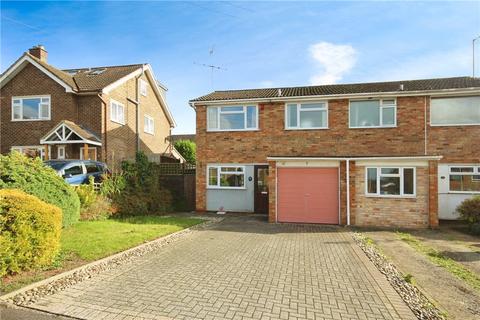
(259,44)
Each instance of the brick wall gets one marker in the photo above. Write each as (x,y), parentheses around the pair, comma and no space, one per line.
(31,81)
(400,212)
(151,106)
(122,139)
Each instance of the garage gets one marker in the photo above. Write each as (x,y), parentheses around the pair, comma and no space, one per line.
(308,195)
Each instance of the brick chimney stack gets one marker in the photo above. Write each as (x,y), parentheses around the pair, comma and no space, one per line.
(39,52)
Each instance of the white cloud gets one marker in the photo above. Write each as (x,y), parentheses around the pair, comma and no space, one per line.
(334,60)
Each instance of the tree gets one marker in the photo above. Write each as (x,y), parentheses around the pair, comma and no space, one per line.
(187,149)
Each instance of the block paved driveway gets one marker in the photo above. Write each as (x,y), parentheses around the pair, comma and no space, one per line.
(241,268)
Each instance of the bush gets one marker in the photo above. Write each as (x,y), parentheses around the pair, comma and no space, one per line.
(142,193)
(99,209)
(29,232)
(187,149)
(93,205)
(469,210)
(33,177)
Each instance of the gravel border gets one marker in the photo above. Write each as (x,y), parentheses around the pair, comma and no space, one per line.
(413,297)
(33,292)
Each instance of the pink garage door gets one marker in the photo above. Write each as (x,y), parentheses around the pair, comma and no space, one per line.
(307,195)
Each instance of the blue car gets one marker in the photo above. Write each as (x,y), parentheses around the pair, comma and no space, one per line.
(76,172)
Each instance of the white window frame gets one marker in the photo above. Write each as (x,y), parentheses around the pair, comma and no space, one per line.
(450,124)
(89,148)
(400,175)
(382,107)
(63,152)
(219,111)
(476,171)
(41,148)
(143,87)
(299,107)
(21,98)
(150,128)
(219,172)
(114,117)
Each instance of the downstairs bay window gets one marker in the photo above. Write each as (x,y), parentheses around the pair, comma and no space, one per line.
(394,181)
(226,177)
(464,179)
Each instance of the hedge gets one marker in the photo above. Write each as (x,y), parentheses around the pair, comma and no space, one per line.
(29,232)
(32,176)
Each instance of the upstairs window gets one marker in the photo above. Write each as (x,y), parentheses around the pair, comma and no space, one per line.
(31,108)
(148,125)
(228,177)
(390,181)
(307,116)
(232,118)
(117,112)
(464,179)
(455,111)
(373,113)
(143,87)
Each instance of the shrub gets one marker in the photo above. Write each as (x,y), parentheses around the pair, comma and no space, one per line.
(99,209)
(93,205)
(33,177)
(469,210)
(112,184)
(142,193)
(86,194)
(29,232)
(187,149)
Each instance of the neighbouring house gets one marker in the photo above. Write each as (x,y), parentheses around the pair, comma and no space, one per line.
(177,137)
(101,113)
(402,153)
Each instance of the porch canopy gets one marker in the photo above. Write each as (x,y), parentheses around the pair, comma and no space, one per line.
(68,132)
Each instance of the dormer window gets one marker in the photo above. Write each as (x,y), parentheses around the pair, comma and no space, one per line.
(143,87)
(31,108)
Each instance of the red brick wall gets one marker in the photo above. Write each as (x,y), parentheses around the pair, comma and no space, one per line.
(31,81)
(433,193)
(393,212)
(273,140)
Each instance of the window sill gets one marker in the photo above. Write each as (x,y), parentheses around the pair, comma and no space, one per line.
(226,188)
(300,129)
(234,130)
(149,133)
(391,196)
(118,122)
(376,127)
(455,125)
(28,120)
(463,192)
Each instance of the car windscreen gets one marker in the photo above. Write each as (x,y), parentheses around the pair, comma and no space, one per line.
(56,165)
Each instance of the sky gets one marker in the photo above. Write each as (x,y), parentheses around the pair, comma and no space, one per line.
(255,44)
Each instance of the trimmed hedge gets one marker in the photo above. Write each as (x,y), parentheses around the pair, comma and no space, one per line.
(29,232)
(32,176)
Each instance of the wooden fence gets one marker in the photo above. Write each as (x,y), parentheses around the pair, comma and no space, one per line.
(179,178)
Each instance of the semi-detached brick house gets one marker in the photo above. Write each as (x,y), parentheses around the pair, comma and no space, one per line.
(104,113)
(401,153)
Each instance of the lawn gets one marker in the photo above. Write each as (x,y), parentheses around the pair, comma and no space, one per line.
(88,241)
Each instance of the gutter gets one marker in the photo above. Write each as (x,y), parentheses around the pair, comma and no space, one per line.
(356,158)
(444,92)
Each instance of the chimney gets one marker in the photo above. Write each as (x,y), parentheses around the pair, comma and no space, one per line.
(39,52)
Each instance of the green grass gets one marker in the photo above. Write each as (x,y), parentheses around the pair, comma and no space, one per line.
(441,260)
(92,240)
(88,241)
